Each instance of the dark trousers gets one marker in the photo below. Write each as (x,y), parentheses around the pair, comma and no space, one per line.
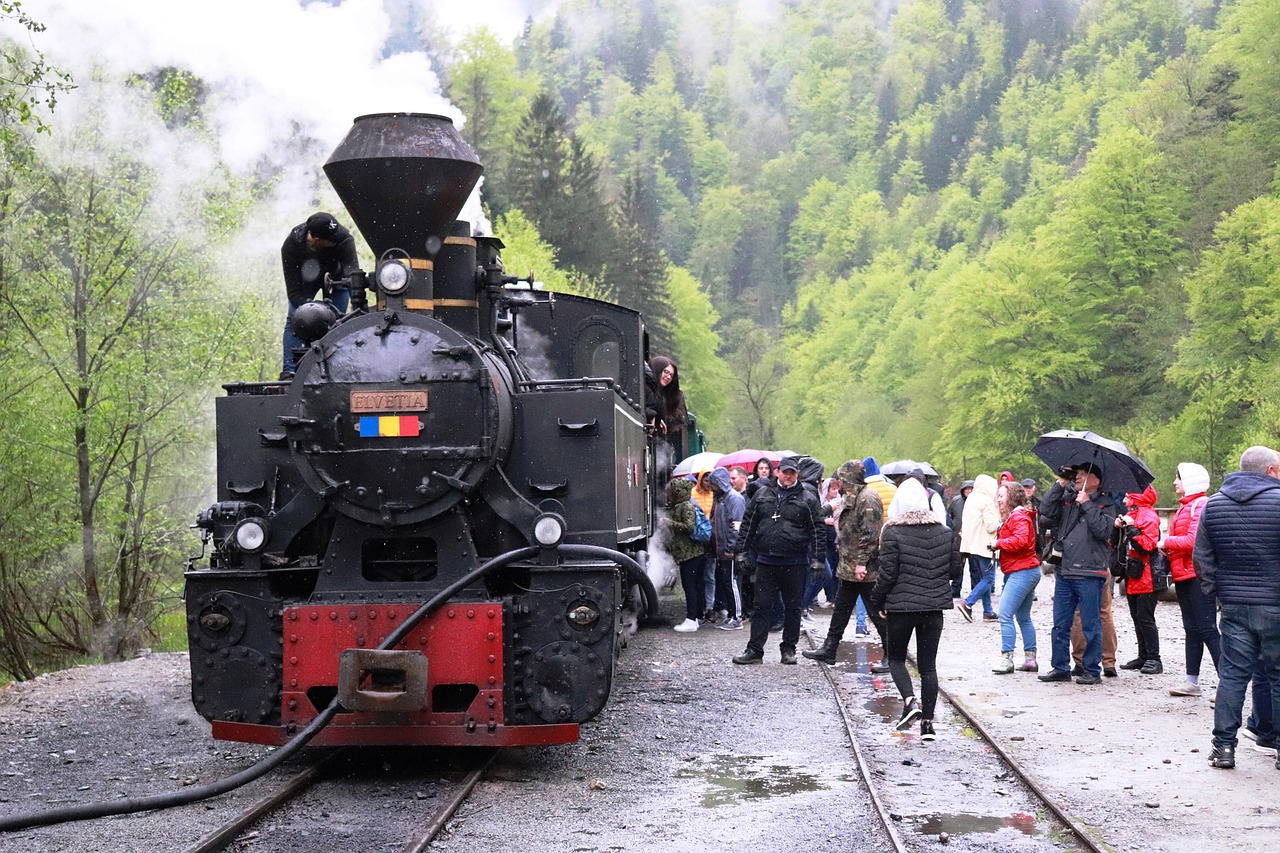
(1200,623)
(728,597)
(1142,607)
(692,582)
(927,625)
(847,595)
(1260,721)
(770,581)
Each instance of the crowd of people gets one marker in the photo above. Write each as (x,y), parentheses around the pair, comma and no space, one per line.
(781,536)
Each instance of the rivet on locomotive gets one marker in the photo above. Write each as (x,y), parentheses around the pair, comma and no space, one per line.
(415,455)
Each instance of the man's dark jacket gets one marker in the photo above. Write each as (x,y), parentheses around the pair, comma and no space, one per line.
(1237,551)
(303,279)
(795,537)
(1084,530)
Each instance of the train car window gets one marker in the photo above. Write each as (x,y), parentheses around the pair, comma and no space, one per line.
(598,352)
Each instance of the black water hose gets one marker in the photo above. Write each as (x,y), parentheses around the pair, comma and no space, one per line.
(129,805)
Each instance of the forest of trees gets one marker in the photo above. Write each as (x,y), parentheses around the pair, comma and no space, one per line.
(923,228)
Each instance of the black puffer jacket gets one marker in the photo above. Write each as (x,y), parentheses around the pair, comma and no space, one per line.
(783,524)
(1238,543)
(919,557)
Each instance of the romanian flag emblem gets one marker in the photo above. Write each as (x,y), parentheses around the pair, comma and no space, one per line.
(389,426)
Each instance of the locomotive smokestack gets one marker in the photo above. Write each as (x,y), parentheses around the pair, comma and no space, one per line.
(404,177)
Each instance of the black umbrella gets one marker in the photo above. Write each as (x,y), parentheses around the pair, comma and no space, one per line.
(1121,470)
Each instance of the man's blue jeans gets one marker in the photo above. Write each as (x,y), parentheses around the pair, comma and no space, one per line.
(1015,607)
(1068,595)
(341,298)
(987,566)
(1249,632)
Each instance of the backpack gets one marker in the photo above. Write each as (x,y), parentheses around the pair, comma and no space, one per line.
(701,532)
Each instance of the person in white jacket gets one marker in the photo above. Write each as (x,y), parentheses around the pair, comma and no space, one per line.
(979,523)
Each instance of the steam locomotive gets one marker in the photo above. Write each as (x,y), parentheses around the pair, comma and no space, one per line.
(415,531)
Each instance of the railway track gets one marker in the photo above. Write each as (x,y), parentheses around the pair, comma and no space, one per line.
(871,770)
(419,837)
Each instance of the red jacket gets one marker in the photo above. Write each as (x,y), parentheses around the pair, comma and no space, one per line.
(1145,519)
(1016,541)
(1182,535)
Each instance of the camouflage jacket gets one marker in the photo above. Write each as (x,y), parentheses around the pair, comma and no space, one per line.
(858,534)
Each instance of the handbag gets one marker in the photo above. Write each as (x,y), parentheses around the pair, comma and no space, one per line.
(1161,571)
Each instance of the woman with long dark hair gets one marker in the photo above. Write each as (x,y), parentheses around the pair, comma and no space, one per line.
(760,476)
(675,413)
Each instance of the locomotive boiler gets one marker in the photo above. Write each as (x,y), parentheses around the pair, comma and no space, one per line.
(421,532)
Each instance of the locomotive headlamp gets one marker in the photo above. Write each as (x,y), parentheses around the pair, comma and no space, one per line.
(393,277)
(250,535)
(548,529)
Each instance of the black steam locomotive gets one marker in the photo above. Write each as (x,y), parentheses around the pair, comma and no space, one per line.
(415,531)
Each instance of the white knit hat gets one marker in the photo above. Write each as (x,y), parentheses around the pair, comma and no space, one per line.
(1195,479)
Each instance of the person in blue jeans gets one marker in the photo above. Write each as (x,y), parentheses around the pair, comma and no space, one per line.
(1020,562)
(314,249)
(979,523)
(1236,551)
(1083,517)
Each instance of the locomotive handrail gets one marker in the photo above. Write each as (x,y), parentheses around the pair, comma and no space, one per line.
(129,805)
(607,381)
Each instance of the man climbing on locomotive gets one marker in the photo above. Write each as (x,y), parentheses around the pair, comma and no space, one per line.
(313,249)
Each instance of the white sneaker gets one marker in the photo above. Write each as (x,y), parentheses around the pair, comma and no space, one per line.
(1185,689)
(688,626)
(1265,750)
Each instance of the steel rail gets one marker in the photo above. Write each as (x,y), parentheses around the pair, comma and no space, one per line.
(447,810)
(231,830)
(898,845)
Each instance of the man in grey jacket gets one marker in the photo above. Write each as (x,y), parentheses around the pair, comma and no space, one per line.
(1237,559)
(1083,517)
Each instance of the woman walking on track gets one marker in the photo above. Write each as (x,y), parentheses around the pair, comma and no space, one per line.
(1199,616)
(1016,542)
(918,560)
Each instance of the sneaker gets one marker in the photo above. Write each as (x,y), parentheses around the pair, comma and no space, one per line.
(1266,747)
(861,632)
(965,610)
(1088,678)
(990,617)
(688,626)
(926,730)
(1223,756)
(789,657)
(1245,731)
(910,710)
(734,624)
(749,656)
(1185,689)
(1152,667)
(1136,663)
(879,668)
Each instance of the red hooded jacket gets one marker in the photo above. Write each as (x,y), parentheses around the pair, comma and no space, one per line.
(1141,510)
(1016,541)
(1182,535)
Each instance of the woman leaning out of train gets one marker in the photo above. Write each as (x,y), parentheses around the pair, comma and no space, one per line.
(1141,527)
(691,556)
(1020,564)
(918,560)
(1199,617)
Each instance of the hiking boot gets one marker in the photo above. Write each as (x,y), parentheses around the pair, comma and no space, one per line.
(1223,756)
(1185,689)
(789,656)
(1005,666)
(1136,663)
(749,656)
(965,610)
(1152,667)
(910,710)
(825,653)
(927,732)
(688,626)
(1030,664)
(1055,675)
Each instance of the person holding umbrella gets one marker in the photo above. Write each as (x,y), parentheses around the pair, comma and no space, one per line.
(1084,517)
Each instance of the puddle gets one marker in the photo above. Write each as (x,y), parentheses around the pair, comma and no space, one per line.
(972,824)
(887,706)
(738,778)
